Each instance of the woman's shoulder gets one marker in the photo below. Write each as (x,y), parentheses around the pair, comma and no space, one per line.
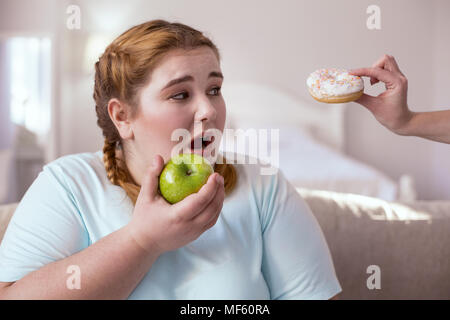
(78,166)
(92,158)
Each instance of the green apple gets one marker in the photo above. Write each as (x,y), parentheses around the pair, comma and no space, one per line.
(183,175)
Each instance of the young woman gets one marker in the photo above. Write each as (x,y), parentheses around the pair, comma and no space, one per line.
(98,217)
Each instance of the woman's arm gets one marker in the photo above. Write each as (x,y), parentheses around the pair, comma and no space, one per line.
(109,269)
(390,108)
(113,266)
(429,125)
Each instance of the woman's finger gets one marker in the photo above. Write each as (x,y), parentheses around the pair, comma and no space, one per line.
(393,64)
(150,181)
(377,73)
(373,81)
(195,203)
(378,64)
(212,222)
(367,101)
(212,211)
(386,62)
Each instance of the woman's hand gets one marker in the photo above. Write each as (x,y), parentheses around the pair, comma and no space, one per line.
(390,108)
(158,226)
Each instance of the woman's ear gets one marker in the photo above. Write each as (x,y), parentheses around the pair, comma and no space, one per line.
(119,113)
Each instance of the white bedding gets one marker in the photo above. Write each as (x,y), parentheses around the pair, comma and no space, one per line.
(310,164)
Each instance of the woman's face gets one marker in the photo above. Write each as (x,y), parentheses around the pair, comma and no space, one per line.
(193,100)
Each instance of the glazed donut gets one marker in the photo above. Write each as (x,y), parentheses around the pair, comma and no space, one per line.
(334,86)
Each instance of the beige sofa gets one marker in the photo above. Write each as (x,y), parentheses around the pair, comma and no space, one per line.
(410,243)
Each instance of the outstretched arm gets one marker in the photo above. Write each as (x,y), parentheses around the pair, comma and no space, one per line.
(390,108)
(430,125)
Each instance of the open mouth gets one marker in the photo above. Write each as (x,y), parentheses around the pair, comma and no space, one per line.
(200,143)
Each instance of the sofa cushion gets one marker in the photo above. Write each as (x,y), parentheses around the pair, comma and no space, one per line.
(409,242)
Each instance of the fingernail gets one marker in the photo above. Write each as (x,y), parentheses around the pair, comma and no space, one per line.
(219,179)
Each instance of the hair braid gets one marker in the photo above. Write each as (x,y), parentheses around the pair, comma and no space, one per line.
(117,172)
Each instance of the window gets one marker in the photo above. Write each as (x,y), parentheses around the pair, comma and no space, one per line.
(30,83)
(25,111)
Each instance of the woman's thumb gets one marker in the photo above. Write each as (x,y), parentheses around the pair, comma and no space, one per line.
(368,101)
(150,181)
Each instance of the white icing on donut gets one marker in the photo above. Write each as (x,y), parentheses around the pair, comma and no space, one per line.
(333,82)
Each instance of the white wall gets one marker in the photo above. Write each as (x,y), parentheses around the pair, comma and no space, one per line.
(439,181)
(280,43)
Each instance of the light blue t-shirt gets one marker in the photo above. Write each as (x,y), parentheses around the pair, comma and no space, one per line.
(266,243)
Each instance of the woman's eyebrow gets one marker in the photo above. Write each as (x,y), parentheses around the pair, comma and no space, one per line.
(173,82)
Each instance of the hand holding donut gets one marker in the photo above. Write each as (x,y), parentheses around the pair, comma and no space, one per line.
(390,108)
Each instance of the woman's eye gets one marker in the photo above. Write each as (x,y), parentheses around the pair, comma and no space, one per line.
(183,94)
(217,91)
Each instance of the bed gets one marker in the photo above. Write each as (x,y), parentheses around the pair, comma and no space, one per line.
(311,148)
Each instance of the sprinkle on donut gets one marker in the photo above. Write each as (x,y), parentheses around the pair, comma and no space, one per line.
(328,83)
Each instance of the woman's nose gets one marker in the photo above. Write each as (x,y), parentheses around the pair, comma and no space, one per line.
(205,111)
